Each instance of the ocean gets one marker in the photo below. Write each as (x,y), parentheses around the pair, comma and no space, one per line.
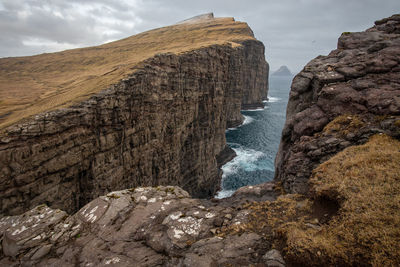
(256,141)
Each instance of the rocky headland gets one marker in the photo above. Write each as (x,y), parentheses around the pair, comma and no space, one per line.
(162,123)
(335,200)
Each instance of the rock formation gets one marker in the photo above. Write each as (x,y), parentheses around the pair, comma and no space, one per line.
(282,71)
(341,100)
(145,226)
(344,112)
(163,122)
(199,18)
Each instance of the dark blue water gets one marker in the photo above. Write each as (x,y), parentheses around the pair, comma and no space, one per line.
(256,141)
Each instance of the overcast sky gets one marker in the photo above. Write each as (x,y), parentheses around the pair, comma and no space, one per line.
(293,31)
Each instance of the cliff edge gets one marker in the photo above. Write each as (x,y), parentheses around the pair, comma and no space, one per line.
(147,110)
(341,100)
(340,150)
(347,216)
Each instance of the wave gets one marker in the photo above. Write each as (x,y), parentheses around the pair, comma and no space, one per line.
(256,109)
(272,99)
(224,193)
(246,160)
(247,120)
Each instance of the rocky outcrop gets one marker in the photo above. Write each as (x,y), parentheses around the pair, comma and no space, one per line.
(341,100)
(282,71)
(145,226)
(164,124)
(197,19)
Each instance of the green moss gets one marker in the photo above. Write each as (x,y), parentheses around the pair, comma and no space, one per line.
(114,196)
(344,125)
(40,207)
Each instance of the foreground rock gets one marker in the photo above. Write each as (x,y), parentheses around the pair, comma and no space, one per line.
(341,100)
(146,226)
(164,123)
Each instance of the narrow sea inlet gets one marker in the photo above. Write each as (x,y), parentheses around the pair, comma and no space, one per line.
(256,141)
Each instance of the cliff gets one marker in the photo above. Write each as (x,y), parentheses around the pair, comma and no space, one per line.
(340,149)
(341,100)
(348,216)
(150,109)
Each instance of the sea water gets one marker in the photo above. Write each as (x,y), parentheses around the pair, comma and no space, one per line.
(256,141)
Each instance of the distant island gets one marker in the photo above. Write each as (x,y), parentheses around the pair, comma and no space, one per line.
(282,71)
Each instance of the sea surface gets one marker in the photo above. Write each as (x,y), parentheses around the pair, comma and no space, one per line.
(256,141)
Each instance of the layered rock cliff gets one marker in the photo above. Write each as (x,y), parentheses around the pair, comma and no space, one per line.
(349,216)
(163,122)
(341,100)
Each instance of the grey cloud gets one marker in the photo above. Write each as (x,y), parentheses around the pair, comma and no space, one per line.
(293,31)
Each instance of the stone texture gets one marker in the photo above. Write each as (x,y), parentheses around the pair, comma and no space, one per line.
(144,226)
(164,124)
(273,258)
(358,81)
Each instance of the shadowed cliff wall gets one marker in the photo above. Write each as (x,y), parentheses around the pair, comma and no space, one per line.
(165,124)
(341,100)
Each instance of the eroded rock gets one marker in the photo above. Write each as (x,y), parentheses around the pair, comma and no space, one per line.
(144,226)
(163,124)
(341,100)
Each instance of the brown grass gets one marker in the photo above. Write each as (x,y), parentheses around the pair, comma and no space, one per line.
(344,125)
(365,181)
(31,85)
(362,229)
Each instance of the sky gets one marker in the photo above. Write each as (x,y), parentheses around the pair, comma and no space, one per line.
(293,31)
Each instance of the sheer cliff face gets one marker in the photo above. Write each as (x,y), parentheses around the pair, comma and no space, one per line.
(341,100)
(164,124)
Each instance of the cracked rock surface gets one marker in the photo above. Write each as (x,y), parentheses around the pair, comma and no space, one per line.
(145,226)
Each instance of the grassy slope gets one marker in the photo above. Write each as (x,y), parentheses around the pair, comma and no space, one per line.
(31,85)
(351,217)
(365,182)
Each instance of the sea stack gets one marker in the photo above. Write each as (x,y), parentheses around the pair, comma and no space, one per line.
(282,71)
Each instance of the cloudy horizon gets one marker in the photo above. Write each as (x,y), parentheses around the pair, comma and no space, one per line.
(293,31)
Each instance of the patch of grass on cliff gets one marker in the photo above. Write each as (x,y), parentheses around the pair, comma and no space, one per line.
(31,85)
(344,125)
(270,218)
(365,182)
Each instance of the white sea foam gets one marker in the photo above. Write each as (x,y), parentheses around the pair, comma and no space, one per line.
(246,159)
(256,109)
(272,99)
(224,193)
(247,120)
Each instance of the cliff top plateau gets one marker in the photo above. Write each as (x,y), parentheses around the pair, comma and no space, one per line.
(34,84)
(169,95)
